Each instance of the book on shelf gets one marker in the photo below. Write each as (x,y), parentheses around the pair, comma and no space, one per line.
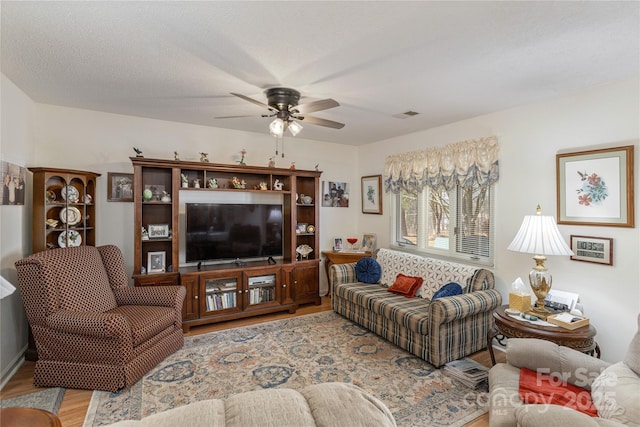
(467,371)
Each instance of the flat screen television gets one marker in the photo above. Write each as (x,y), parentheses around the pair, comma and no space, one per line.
(216,231)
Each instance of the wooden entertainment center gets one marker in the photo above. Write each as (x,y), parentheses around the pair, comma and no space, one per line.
(223,291)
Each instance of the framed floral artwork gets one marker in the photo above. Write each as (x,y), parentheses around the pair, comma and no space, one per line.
(596,187)
(372,194)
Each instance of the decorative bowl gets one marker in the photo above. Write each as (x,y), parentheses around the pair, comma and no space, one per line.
(306,200)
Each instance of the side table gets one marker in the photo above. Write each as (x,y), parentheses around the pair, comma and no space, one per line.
(581,339)
(340,257)
(20,417)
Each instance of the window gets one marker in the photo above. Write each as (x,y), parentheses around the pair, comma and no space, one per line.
(455,223)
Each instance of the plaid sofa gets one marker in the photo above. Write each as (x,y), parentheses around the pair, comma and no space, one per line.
(438,331)
(93,331)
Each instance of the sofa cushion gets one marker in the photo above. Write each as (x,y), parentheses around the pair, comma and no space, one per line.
(448,290)
(615,394)
(405,285)
(368,270)
(411,313)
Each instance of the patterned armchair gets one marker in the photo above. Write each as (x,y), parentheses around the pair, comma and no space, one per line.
(92,330)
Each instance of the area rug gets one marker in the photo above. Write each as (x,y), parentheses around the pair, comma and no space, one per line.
(49,400)
(294,353)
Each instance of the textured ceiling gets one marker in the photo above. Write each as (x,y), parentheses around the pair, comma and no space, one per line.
(448,61)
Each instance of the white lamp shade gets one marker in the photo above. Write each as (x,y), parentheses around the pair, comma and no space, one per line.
(539,235)
(277,127)
(294,128)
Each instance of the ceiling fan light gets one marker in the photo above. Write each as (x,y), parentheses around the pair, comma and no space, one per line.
(294,128)
(277,127)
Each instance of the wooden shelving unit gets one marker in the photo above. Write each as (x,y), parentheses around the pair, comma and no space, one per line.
(295,278)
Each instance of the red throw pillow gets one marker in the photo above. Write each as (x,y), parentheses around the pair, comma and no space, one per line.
(541,388)
(405,285)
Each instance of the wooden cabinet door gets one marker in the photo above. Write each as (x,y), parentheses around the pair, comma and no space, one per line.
(305,287)
(190,308)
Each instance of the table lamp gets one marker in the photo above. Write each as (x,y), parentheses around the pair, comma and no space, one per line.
(539,235)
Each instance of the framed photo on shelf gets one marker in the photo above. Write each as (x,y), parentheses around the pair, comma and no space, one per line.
(372,194)
(302,228)
(158,231)
(369,242)
(596,187)
(337,244)
(156,262)
(592,249)
(119,187)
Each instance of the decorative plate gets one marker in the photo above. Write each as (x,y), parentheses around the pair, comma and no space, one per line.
(311,228)
(69,238)
(70,194)
(304,250)
(70,215)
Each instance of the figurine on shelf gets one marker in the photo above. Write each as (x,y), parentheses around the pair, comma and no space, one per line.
(185,180)
(317,166)
(277,185)
(196,183)
(176,156)
(263,186)
(138,152)
(145,235)
(241,161)
(293,165)
(203,157)
(238,183)
(272,163)
(166,197)
(213,183)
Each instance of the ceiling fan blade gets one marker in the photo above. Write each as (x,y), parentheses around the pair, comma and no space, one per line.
(323,104)
(258,103)
(321,122)
(233,117)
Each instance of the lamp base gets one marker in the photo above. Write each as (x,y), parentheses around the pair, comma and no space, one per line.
(540,313)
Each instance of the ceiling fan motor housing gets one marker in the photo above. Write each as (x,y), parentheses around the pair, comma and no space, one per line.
(282,98)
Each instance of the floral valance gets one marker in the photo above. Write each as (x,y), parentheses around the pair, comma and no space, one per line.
(463,163)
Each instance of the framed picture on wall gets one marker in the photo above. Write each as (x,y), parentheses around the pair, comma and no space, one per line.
(119,187)
(596,187)
(372,194)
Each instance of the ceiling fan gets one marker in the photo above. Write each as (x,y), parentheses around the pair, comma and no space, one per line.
(282,104)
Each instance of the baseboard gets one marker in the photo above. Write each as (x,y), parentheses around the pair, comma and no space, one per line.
(13,367)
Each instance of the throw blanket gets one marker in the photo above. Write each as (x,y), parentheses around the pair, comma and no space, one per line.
(543,388)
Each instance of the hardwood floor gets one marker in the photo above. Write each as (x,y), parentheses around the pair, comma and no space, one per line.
(75,402)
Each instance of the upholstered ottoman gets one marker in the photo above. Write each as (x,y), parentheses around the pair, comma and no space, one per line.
(328,404)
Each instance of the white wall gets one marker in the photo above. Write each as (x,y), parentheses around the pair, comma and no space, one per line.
(16,146)
(102,142)
(530,137)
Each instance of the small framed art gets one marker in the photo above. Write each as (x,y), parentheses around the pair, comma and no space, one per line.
(156,262)
(158,231)
(337,244)
(592,249)
(369,242)
(119,187)
(372,194)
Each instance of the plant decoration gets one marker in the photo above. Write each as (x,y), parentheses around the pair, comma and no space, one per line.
(593,189)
